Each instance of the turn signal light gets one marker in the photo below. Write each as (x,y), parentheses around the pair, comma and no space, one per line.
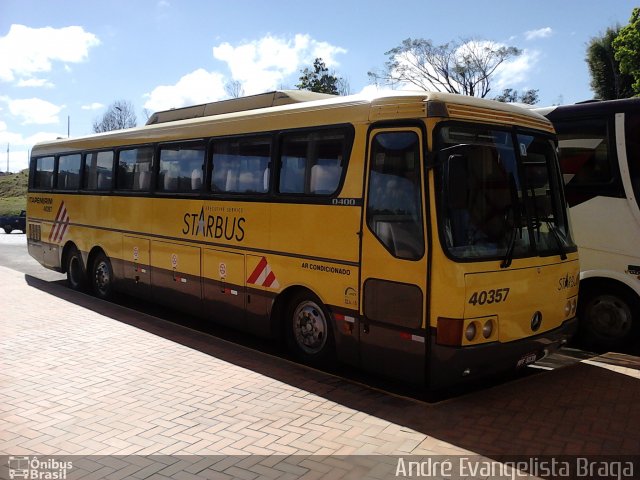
(449,331)
(570,307)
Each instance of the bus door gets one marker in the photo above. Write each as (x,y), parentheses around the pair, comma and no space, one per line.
(394,265)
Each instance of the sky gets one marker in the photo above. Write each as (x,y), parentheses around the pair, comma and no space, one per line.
(63,62)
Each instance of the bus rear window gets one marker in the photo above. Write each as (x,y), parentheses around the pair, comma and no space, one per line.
(43,175)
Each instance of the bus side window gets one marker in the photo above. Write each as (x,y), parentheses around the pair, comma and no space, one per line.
(311,163)
(134,169)
(241,165)
(588,164)
(98,171)
(632,129)
(69,172)
(181,168)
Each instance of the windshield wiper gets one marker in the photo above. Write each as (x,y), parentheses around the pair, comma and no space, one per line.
(517,222)
(556,236)
(508,257)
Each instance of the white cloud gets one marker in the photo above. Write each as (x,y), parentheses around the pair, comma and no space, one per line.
(92,106)
(7,137)
(34,82)
(539,33)
(43,137)
(28,51)
(259,65)
(18,160)
(514,72)
(196,87)
(19,147)
(34,111)
(263,64)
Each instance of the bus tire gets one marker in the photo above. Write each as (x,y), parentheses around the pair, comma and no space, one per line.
(308,330)
(605,314)
(7,229)
(76,273)
(102,276)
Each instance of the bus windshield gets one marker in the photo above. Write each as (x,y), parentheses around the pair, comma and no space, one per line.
(500,194)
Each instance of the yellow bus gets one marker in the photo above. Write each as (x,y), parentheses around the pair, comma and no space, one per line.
(422,236)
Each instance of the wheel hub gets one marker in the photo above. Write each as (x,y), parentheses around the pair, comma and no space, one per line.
(102,276)
(611,316)
(310,327)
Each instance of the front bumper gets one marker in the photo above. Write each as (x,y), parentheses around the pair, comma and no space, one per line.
(449,366)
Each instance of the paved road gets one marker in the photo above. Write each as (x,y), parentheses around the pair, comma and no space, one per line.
(13,254)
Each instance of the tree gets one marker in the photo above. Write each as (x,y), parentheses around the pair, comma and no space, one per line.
(234,88)
(343,86)
(320,80)
(464,67)
(509,95)
(607,81)
(627,49)
(119,115)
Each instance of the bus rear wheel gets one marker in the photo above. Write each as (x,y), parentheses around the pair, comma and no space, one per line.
(76,274)
(102,276)
(308,330)
(606,316)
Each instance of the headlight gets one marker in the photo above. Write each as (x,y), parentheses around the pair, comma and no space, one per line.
(470,331)
(487,329)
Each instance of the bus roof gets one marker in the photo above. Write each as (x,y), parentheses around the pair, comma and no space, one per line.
(240,104)
(595,107)
(196,121)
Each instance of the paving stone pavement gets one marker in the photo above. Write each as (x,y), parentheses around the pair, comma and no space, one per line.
(79,376)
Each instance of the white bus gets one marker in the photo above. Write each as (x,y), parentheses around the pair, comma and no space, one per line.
(600,162)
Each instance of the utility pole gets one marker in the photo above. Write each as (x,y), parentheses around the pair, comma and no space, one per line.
(7,158)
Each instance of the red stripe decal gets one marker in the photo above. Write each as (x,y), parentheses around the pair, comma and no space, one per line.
(262,264)
(55,230)
(269,280)
(62,227)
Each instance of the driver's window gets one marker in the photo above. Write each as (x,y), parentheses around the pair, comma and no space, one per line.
(394,211)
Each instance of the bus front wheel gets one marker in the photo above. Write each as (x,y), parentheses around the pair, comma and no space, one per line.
(606,316)
(309,332)
(102,276)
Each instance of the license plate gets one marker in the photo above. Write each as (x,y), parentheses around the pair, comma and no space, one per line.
(526,360)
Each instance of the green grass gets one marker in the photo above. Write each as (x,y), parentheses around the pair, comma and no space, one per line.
(13,192)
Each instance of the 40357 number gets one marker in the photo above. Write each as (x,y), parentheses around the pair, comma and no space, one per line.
(489,296)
